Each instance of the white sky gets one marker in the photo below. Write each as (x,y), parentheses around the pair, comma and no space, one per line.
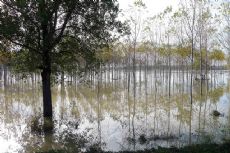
(153,6)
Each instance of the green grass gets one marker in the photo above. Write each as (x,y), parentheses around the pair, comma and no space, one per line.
(202,148)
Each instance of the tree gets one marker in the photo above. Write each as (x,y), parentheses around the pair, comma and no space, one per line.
(217,55)
(189,10)
(38,27)
(225,35)
(5,56)
(136,21)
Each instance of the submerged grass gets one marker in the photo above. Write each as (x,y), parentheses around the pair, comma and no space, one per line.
(199,148)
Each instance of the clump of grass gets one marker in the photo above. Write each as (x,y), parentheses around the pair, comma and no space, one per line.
(41,125)
(131,140)
(142,139)
(96,148)
(48,125)
(216,113)
(35,124)
(163,137)
(53,151)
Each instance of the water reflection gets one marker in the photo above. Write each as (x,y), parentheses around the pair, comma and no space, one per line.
(116,111)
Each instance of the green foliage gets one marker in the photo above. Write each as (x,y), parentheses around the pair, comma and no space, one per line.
(168,10)
(25,61)
(139,3)
(182,52)
(144,47)
(70,56)
(162,51)
(217,55)
(5,53)
(225,8)
(5,57)
(105,54)
(58,35)
(197,58)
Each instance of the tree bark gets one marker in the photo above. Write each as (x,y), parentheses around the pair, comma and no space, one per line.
(46,88)
(5,75)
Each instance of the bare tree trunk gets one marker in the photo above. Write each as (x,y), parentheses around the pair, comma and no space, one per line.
(4,76)
(46,88)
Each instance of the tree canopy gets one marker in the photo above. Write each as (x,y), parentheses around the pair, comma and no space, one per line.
(38,25)
(48,34)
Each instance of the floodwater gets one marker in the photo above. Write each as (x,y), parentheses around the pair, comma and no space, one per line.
(116,111)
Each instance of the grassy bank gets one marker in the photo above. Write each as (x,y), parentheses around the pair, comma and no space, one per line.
(201,148)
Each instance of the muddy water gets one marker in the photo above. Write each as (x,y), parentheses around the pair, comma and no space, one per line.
(116,112)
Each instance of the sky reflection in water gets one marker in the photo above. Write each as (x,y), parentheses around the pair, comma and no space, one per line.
(114,115)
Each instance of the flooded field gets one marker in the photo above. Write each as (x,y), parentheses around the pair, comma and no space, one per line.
(115,112)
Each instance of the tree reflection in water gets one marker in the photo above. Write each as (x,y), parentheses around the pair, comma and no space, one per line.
(116,114)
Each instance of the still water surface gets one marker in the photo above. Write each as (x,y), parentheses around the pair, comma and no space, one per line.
(116,113)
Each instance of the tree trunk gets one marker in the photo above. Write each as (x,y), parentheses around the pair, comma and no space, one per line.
(62,78)
(46,88)
(5,75)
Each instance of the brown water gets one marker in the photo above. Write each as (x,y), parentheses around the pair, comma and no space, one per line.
(117,114)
